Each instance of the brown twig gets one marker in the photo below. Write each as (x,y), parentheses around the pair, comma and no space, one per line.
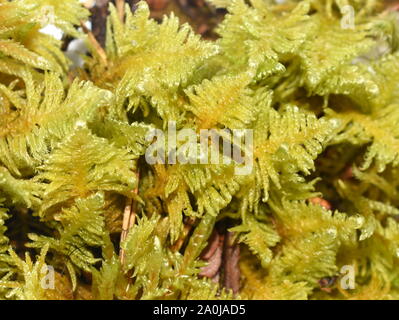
(100,51)
(347,174)
(231,257)
(99,14)
(120,8)
(327,284)
(213,255)
(187,228)
(158,4)
(129,218)
(125,227)
(222,254)
(213,244)
(214,263)
(322,202)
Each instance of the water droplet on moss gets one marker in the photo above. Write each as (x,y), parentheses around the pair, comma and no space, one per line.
(332,232)
(80,124)
(358,220)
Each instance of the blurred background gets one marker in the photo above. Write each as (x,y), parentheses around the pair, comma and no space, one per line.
(198,13)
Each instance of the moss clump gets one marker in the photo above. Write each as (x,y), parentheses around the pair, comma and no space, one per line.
(314,83)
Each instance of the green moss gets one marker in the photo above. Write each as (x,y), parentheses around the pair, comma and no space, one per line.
(321,99)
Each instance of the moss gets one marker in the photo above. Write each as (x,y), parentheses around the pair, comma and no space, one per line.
(314,217)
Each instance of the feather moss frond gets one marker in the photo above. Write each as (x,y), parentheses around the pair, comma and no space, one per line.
(259,237)
(292,135)
(4,241)
(205,182)
(259,287)
(224,101)
(158,271)
(361,129)
(309,258)
(22,40)
(164,57)
(81,227)
(18,192)
(178,184)
(65,15)
(317,59)
(83,164)
(43,118)
(297,217)
(123,135)
(30,286)
(266,37)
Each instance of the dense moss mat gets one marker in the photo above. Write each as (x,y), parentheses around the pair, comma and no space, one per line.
(84,214)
